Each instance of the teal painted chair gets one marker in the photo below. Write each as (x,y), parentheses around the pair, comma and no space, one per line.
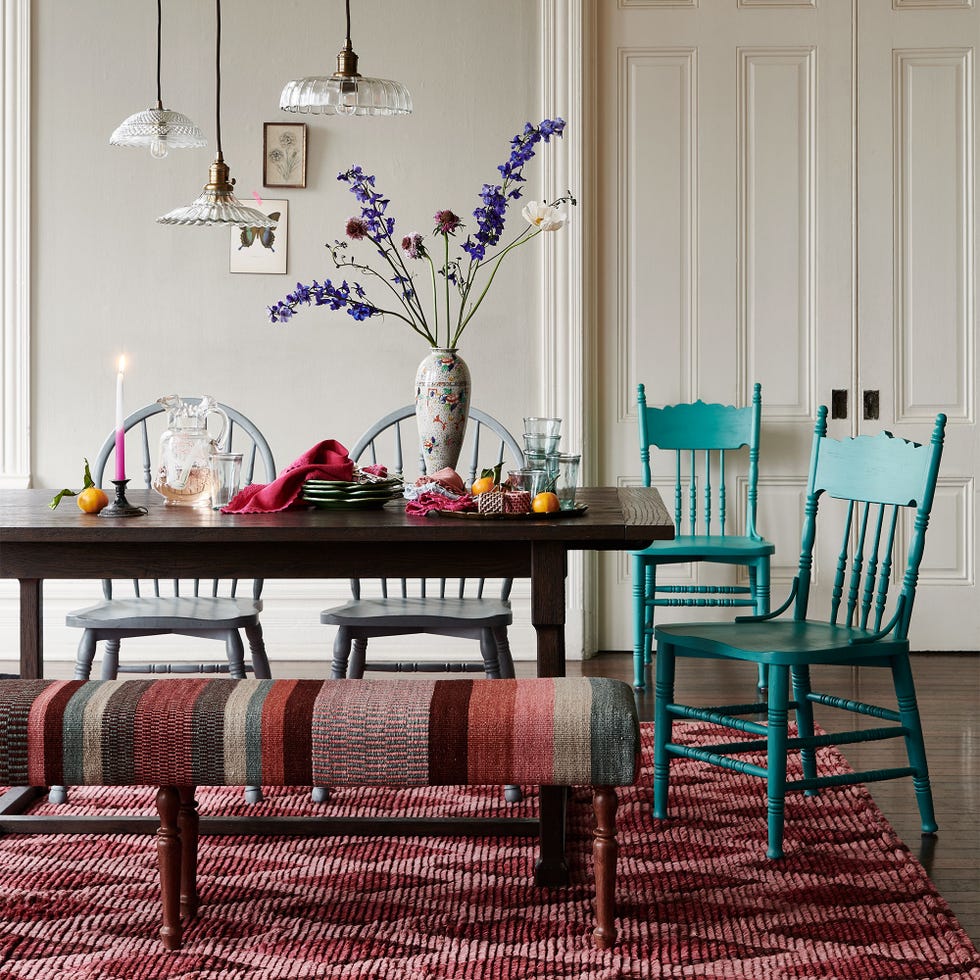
(877,479)
(701,438)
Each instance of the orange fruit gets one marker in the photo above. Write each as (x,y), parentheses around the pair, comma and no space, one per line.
(482,485)
(545,503)
(91,500)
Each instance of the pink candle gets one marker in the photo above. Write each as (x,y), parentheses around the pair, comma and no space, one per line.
(120,431)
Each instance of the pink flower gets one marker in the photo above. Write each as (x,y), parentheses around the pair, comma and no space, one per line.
(446,222)
(357,228)
(412,246)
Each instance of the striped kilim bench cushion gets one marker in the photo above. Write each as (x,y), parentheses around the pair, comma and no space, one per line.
(206,732)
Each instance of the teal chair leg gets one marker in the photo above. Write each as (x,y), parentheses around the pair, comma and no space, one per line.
(804,721)
(639,622)
(914,742)
(776,758)
(651,590)
(760,587)
(662,728)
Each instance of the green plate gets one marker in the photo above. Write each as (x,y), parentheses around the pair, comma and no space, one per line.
(348,485)
(352,495)
(369,503)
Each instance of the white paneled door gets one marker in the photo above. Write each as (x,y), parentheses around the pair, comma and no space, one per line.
(748,154)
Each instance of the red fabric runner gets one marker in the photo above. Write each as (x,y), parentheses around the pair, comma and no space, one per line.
(327,460)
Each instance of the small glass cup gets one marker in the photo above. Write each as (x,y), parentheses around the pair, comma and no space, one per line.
(542,426)
(530,479)
(544,461)
(226,474)
(539,442)
(568,464)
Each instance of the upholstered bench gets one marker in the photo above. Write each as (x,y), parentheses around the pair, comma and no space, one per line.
(177,734)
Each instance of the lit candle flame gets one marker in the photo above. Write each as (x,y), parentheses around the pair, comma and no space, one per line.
(122,363)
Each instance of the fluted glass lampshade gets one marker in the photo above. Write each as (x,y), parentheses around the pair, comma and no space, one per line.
(346,95)
(217,205)
(346,92)
(158,130)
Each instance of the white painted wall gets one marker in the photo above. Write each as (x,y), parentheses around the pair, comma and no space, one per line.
(108,279)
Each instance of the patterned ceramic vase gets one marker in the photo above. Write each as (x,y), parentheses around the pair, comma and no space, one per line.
(442,405)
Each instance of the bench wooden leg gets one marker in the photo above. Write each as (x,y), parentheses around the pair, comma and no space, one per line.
(168,855)
(605,848)
(188,824)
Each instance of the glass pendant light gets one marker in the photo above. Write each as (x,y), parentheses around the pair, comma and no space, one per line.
(346,92)
(159,129)
(217,204)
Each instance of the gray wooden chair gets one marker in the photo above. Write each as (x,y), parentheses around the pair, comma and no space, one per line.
(443,607)
(212,609)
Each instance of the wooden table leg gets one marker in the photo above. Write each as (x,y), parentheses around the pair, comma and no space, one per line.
(31,633)
(548,619)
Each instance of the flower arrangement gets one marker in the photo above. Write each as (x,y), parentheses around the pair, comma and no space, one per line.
(468,276)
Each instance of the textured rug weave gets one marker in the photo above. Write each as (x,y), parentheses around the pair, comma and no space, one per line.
(697,898)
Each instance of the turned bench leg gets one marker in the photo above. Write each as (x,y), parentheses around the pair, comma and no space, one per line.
(169,858)
(604,851)
(188,824)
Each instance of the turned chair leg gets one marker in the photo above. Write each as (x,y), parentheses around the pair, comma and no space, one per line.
(169,859)
(188,824)
(605,849)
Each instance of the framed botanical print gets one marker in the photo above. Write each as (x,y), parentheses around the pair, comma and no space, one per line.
(261,250)
(284,154)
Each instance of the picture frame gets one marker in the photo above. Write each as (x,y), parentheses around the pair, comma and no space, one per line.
(262,250)
(284,154)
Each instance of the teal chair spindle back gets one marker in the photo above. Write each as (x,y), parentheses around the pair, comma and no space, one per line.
(699,439)
(700,435)
(876,479)
(863,489)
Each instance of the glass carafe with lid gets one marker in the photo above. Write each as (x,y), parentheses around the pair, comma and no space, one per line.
(185,450)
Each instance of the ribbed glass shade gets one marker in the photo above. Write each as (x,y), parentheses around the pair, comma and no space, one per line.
(346,96)
(217,205)
(150,126)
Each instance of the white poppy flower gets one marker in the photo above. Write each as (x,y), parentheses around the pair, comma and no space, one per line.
(544,216)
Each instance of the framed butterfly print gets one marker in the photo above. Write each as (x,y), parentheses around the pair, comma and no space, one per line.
(261,250)
(284,154)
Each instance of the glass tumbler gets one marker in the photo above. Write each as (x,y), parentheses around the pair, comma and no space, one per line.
(538,442)
(226,474)
(542,426)
(568,464)
(544,461)
(529,479)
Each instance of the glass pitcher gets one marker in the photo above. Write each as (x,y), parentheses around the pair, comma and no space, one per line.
(183,475)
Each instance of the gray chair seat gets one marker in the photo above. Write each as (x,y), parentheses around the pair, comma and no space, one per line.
(428,614)
(168,613)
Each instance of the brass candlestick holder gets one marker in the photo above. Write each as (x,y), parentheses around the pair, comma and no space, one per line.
(121,507)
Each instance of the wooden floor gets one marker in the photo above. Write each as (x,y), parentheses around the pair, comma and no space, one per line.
(948,688)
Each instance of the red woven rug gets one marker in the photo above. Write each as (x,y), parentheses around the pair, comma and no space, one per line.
(697,898)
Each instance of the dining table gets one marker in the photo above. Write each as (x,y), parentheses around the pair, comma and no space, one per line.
(38,543)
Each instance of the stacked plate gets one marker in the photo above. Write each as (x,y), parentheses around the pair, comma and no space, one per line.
(344,495)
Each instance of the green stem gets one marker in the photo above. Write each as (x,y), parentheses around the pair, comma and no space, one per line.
(446,270)
(521,240)
(435,293)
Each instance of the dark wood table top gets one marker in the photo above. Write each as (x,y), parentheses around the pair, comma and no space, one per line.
(619,519)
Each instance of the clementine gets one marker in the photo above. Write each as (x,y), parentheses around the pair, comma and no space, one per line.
(91,500)
(545,503)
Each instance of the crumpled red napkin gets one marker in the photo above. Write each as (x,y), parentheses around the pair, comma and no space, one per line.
(327,460)
(426,502)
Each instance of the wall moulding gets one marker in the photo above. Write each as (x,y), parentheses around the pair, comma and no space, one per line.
(15,245)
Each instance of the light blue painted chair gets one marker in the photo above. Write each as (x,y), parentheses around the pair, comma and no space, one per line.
(701,437)
(877,479)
